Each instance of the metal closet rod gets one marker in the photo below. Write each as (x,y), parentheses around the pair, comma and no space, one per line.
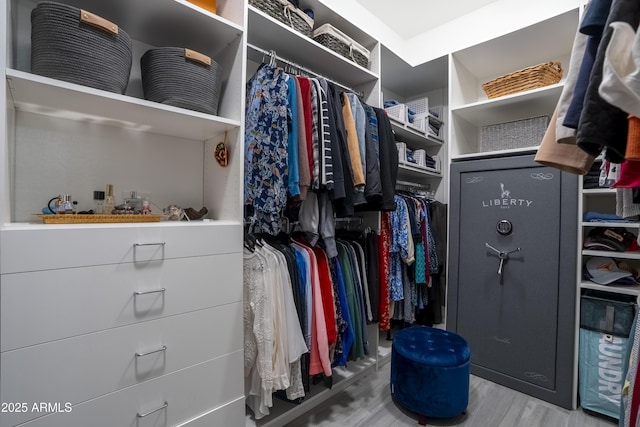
(413,185)
(271,53)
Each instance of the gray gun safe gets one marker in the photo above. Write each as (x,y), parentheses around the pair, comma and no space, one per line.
(512,273)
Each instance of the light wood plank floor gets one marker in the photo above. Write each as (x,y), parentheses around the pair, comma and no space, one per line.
(367,402)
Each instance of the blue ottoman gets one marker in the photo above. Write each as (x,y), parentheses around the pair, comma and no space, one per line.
(430,372)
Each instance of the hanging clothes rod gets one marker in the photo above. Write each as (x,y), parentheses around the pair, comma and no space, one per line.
(272,54)
(413,185)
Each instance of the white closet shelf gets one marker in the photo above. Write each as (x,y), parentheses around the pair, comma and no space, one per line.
(599,191)
(612,254)
(43,95)
(611,224)
(406,131)
(628,290)
(168,23)
(417,171)
(491,154)
(268,33)
(511,107)
(38,225)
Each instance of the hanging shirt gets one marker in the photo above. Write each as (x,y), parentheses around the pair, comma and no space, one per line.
(292,139)
(326,172)
(305,90)
(349,332)
(258,334)
(303,158)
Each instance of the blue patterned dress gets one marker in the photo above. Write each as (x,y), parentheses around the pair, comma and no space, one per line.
(399,248)
(265,144)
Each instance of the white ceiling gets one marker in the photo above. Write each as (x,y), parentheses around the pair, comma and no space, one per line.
(409,18)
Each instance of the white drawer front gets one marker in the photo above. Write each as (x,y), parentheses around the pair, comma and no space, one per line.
(86,367)
(43,306)
(63,247)
(190,392)
(229,415)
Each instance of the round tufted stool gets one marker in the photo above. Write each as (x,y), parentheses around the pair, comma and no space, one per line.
(430,372)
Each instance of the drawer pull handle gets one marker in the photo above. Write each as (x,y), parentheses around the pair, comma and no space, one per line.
(153,411)
(149,244)
(161,290)
(163,348)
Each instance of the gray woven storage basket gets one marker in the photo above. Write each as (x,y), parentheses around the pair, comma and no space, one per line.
(516,134)
(286,13)
(182,78)
(84,50)
(334,39)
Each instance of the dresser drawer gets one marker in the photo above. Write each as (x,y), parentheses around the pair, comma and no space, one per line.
(42,306)
(187,393)
(53,247)
(89,366)
(230,415)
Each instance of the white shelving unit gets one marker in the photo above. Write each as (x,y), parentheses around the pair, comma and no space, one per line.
(470,109)
(604,200)
(119,319)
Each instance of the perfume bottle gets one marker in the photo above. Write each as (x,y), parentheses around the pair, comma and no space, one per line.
(98,202)
(132,202)
(109,201)
(66,206)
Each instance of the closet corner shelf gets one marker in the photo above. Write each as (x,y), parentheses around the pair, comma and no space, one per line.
(410,133)
(51,97)
(628,290)
(419,171)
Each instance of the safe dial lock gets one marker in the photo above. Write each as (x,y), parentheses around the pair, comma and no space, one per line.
(504,227)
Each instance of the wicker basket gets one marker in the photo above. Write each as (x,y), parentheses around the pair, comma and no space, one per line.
(287,13)
(516,134)
(526,79)
(182,78)
(97,219)
(79,47)
(334,39)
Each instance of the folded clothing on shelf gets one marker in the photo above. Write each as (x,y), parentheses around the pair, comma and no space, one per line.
(611,239)
(591,216)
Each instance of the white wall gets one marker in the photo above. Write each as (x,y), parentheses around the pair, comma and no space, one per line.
(496,19)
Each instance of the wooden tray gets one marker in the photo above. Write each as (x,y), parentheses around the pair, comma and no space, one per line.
(97,219)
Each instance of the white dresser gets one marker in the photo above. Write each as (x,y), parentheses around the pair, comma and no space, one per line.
(121,324)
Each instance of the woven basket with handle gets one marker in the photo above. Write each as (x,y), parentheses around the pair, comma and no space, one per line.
(526,79)
(79,47)
(286,13)
(182,78)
